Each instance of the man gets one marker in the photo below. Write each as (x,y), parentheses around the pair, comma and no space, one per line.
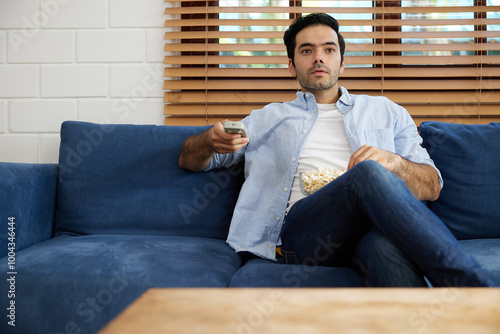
(388,172)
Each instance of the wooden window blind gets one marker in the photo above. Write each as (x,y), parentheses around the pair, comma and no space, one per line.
(437,58)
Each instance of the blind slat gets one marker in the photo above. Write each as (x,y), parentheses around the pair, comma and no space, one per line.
(348,72)
(444,46)
(402,97)
(216,60)
(343,23)
(347,35)
(349,84)
(335,10)
(413,110)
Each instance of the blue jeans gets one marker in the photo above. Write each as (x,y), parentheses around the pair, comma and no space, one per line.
(382,264)
(326,227)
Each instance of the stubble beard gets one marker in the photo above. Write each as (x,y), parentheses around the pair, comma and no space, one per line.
(311,84)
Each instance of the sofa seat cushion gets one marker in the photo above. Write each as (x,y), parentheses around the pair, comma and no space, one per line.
(79,283)
(126,179)
(487,254)
(468,157)
(258,272)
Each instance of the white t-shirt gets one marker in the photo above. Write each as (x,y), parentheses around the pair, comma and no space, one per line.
(327,146)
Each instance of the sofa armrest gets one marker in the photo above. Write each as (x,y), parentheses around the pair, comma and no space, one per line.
(27,204)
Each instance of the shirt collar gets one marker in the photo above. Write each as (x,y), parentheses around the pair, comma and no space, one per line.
(345,97)
(303,99)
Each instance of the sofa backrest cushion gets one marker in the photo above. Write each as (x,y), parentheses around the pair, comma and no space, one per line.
(468,157)
(125,179)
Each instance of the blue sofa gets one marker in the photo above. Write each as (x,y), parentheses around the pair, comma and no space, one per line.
(82,239)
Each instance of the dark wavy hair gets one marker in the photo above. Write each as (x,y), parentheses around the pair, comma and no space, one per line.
(308,20)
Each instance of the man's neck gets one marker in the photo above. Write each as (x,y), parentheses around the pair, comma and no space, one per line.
(325,96)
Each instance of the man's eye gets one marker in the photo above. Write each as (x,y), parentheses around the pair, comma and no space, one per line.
(330,50)
(306,51)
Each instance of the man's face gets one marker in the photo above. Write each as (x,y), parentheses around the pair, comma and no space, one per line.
(317,58)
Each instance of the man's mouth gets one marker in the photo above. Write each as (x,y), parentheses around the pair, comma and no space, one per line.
(318,71)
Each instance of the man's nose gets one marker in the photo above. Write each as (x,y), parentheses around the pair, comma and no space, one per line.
(318,58)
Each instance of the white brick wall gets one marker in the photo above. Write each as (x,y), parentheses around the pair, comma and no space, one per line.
(3,49)
(89,60)
(133,13)
(85,14)
(40,116)
(15,13)
(18,81)
(46,47)
(3,117)
(111,46)
(74,81)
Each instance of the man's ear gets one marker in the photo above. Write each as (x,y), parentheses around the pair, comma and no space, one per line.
(291,68)
(342,66)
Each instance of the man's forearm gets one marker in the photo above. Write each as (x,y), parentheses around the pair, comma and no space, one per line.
(421,179)
(196,152)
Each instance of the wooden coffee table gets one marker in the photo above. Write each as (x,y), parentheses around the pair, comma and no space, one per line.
(303,311)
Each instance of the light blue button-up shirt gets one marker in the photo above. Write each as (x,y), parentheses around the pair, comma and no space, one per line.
(277,133)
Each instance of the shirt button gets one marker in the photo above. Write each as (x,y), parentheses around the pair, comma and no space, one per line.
(293,159)
(315,109)
(278,219)
(285,189)
(271,246)
(305,131)
(305,106)
(307,95)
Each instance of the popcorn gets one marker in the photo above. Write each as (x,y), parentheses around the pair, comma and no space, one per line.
(314,180)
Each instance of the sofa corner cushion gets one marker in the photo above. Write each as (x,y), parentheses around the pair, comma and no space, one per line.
(125,179)
(468,157)
(87,280)
(27,203)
